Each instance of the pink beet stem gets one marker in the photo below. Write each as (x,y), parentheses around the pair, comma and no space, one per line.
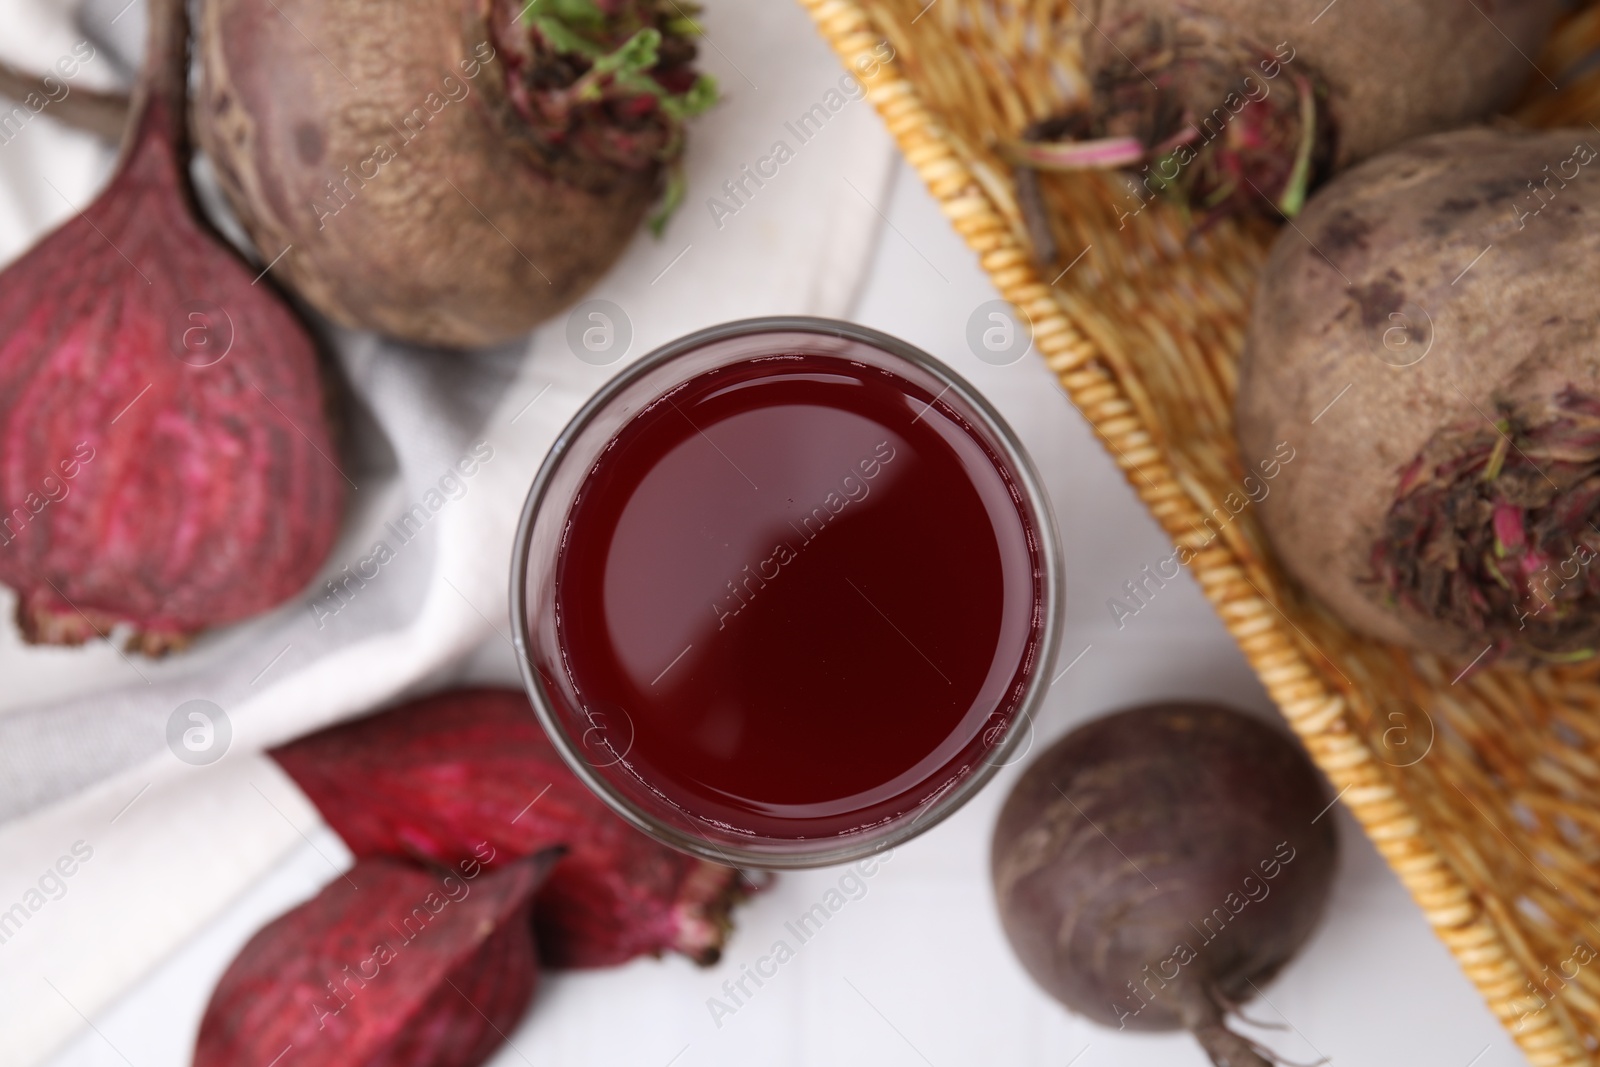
(160,95)
(1106,153)
(1508,528)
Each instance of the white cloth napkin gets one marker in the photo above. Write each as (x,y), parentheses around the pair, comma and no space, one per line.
(89,782)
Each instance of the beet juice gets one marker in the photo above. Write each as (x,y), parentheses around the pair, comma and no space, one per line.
(807,588)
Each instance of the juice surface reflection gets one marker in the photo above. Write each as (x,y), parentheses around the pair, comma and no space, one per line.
(806,589)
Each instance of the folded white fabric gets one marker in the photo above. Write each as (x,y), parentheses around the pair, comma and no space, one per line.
(156,845)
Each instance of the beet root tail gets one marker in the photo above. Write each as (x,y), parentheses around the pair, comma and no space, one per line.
(1228,1049)
(1204,1015)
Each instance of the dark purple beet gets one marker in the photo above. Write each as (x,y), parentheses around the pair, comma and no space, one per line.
(1153,864)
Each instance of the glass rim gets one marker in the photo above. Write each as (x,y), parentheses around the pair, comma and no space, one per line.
(850,847)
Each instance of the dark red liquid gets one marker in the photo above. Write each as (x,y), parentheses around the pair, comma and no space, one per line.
(809,587)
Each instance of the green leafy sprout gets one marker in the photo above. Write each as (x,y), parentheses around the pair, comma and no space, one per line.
(570,26)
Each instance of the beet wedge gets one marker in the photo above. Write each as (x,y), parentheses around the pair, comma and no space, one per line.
(447,776)
(391,965)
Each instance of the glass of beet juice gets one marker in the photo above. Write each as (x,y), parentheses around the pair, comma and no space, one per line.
(786,592)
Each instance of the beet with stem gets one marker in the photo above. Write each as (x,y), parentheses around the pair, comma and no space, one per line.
(1427,343)
(166,462)
(442,777)
(1154,866)
(1243,105)
(443,172)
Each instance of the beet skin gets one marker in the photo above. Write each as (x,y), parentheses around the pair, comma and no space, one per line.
(1244,103)
(1426,340)
(448,172)
(1154,863)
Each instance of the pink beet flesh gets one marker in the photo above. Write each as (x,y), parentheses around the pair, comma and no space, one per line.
(391,965)
(470,771)
(136,485)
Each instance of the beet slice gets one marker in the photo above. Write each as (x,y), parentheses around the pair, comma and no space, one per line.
(391,965)
(470,775)
(1155,865)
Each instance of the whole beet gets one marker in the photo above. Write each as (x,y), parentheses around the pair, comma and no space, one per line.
(1153,864)
(1228,85)
(391,965)
(1426,342)
(445,777)
(444,172)
(166,462)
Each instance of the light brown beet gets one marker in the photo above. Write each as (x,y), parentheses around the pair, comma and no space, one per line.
(1153,863)
(463,232)
(1392,70)
(1382,72)
(1384,268)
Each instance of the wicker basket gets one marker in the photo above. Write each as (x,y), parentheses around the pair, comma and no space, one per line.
(1481,790)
